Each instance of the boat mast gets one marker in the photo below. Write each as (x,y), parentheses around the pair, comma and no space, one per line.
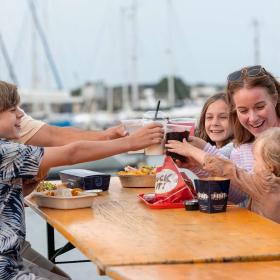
(34,58)
(170,79)
(8,61)
(135,93)
(46,24)
(256,42)
(110,99)
(45,44)
(125,94)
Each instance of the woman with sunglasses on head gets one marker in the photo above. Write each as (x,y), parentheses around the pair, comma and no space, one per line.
(253,97)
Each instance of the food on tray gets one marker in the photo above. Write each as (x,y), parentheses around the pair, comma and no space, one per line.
(51,189)
(143,170)
(46,186)
(64,192)
(76,191)
(129,177)
(49,193)
(59,196)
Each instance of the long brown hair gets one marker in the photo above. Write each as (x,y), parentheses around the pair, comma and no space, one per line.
(265,80)
(201,131)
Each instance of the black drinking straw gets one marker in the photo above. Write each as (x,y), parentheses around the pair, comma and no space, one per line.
(157,109)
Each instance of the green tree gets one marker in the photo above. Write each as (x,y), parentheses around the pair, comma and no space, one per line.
(182,90)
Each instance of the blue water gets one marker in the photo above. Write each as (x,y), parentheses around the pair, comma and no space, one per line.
(61,123)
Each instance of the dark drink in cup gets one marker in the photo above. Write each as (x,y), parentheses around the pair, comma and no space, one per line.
(176,132)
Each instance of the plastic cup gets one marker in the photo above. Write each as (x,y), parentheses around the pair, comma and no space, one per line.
(212,194)
(191,122)
(149,117)
(177,132)
(131,126)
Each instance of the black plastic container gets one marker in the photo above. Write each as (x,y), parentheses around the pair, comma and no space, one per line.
(212,194)
(85,179)
(191,205)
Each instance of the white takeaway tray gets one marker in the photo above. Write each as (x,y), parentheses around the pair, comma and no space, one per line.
(59,202)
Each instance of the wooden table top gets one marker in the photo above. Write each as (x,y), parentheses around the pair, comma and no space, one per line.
(120,230)
(206,271)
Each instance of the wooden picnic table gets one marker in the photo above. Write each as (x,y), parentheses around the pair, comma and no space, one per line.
(119,230)
(206,271)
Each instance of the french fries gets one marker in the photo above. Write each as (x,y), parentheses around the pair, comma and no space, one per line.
(143,170)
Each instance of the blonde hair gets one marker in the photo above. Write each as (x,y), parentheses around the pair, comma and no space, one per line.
(9,96)
(269,144)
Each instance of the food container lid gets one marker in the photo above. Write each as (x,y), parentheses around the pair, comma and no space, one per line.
(191,205)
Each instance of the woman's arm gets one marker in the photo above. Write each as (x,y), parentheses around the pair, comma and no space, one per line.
(52,136)
(84,151)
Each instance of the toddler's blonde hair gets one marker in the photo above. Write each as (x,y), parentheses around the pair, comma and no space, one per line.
(269,143)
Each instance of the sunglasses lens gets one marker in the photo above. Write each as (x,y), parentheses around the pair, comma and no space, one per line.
(254,70)
(251,71)
(234,76)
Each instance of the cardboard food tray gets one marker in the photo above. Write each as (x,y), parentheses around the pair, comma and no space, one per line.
(162,205)
(137,181)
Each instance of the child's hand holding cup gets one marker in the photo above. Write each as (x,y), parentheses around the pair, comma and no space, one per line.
(177,132)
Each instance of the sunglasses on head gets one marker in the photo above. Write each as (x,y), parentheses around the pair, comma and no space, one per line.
(251,71)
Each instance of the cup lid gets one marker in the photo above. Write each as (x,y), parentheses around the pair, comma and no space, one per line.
(151,115)
(132,122)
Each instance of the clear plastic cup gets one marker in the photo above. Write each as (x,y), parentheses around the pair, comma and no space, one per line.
(148,117)
(131,126)
(185,121)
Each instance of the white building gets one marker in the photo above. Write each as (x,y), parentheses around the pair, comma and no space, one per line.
(202,91)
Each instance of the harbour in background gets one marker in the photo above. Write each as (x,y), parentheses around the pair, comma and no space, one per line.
(97,105)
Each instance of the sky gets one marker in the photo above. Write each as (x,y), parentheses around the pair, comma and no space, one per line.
(90,40)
